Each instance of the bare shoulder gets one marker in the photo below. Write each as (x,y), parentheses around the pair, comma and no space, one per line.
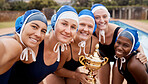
(11,46)
(114,26)
(134,64)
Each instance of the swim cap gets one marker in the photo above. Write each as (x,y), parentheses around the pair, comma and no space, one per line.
(65,12)
(88,13)
(132,35)
(29,16)
(95,7)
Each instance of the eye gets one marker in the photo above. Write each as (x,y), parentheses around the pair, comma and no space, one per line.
(33,26)
(126,45)
(90,26)
(82,24)
(44,30)
(73,27)
(64,24)
(118,42)
(105,16)
(96,17)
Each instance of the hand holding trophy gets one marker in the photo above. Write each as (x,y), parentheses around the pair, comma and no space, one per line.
(93,62)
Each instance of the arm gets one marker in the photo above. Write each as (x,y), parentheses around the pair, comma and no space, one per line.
(2,52)
(141,56)
(138,71)
(117,78)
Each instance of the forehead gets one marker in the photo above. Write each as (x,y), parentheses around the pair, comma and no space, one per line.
(124,39)
(86,20)
(38,23)
(69,21)
(100,12)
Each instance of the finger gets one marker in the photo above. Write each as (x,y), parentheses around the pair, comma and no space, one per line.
(138,54)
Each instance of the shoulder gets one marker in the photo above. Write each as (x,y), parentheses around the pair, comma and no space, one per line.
(11,46)
(95,39)
(134,64)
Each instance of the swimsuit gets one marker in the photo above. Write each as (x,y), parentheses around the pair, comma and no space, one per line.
(34,72)
(108,50)
(72,64)
(4,77)
(127,75)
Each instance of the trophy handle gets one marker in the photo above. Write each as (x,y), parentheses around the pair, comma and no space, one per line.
(106,60)
(81,60)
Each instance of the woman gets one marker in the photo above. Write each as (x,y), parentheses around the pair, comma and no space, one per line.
(126,51)
(27,37)
(84,43)
(107,33)
(48,57)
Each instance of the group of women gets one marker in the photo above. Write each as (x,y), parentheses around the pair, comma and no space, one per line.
(53,57)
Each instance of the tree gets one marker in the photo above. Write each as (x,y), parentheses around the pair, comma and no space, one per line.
(122,2)
(18,5)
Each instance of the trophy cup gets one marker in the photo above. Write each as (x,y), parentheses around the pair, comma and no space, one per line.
(93,62)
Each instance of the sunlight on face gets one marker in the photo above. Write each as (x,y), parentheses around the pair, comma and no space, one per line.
(33,33)
(101,18)
(86,27)
(65,30)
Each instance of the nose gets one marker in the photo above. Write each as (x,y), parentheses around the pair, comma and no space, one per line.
(101,19)
(86,28)
(38,33)
(67,29)
(119,47)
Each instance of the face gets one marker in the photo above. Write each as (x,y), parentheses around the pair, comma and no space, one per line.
(101,18)
(122,46)
(65,30)
(33,33)
(86,27)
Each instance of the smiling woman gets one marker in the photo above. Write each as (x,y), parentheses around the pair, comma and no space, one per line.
(23,41)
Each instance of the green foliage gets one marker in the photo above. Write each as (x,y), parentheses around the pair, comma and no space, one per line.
(18,5)
(145,2)
(6,6)
(35,4)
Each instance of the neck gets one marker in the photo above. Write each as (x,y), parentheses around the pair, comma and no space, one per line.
(51,41)
(18,39)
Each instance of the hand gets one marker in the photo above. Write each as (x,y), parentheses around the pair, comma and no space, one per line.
(83,78)
(141,57)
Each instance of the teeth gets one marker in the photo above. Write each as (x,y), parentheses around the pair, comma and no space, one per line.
(118,52)
(33,40)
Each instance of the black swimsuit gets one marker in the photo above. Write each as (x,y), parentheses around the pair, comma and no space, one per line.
(108,50)
(72,64)
(5,77)
(127,75)
(34,72)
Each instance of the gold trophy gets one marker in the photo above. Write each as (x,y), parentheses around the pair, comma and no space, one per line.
(93,62)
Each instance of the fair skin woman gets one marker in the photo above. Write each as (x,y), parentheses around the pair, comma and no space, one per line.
(49,51)
(74,76)
(102,17)
(11,47)
(133,71)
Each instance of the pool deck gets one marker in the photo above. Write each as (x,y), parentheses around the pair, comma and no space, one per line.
(134,23)
(137,24)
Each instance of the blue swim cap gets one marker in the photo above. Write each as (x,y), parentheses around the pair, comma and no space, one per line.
(88,13)
(65,12)
(132,35)
(29,16)
(99,6)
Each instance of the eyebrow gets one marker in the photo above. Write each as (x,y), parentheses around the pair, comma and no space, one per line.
(35,24)
(67,22)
